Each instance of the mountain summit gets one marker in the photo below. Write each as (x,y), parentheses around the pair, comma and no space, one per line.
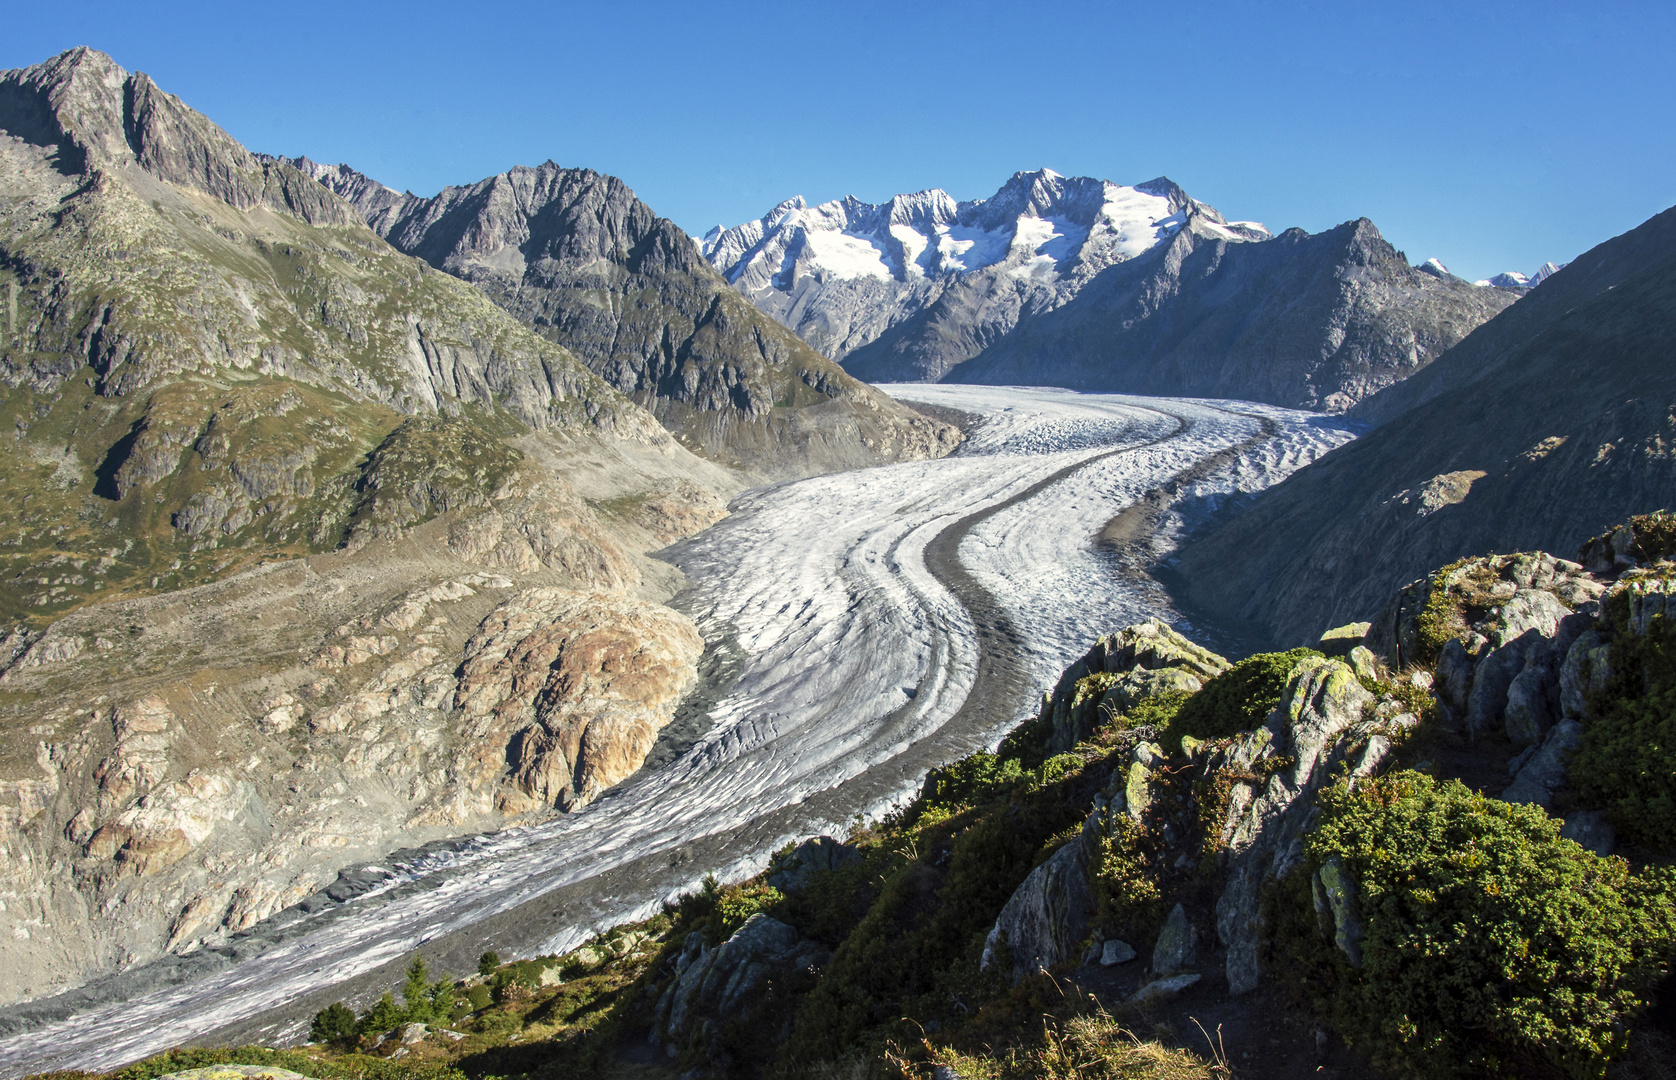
(844,272)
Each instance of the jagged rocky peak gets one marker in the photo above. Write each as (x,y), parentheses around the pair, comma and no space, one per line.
(544,242)
(100,117)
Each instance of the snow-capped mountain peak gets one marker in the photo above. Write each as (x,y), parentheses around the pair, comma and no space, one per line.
(1512,279)
(841,272)
(1040,223)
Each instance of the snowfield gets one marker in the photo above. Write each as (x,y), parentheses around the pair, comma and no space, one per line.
(858,660)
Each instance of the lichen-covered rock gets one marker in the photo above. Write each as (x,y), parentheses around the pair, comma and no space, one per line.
(1317,726)
(1114,952)
(1177,944)
(1120,670)
(1045,921)
(234,1072)
(1338,641)
(1364,663)
(1335,897)
(1497,598)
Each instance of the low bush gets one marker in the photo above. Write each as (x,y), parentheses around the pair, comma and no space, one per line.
(1127,900)
(970,780)
(1237,700)
(347,1067)
(1158,711)
(1491,946)
(1627,759)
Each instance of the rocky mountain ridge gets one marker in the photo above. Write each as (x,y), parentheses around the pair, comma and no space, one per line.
(311,552)
(1273,847)
(1094,286)
(574,255)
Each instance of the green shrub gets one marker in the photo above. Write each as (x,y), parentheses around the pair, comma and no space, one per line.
(383,1016)
(336,1021)
(1127,900)
(1028,742)
(971,780)
(739,902)
(488,962)
(1158,711)
(1057,768)
(1237,700)
(1627,758)
(1490,943)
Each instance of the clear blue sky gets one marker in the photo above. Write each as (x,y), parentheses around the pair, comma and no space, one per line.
(1492,136)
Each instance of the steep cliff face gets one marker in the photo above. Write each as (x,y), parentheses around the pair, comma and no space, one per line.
(1307,321)
(575,256)
(269,484)
(1541,429)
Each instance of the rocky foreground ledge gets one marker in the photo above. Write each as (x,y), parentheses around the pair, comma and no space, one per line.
(1431,844)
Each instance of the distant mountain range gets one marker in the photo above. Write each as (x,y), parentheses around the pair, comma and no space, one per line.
(1077,282)
(1510,279)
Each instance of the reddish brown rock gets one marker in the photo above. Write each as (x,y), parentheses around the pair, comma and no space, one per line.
(579,684)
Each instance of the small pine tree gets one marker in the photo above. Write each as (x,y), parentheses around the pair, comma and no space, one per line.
(382,1016)
(416,992)
(442,999)
(488,962)
(332,1023)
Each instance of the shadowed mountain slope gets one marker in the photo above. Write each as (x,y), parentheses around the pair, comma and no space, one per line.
(1547,425)
(1307,321)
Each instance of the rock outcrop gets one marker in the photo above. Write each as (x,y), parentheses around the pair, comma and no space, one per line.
(1118,672)
(1047,919)
(598,675)
(1547,425)
(726,984)
(1327,726)
(1510,622)
(1318,730)
(575,256)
